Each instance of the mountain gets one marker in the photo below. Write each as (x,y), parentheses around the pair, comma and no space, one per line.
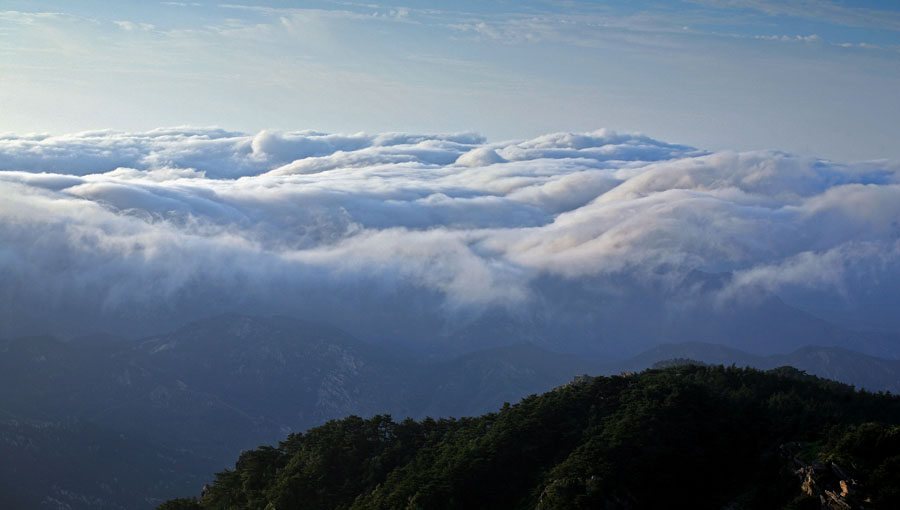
(686,436)
(481,381)
(74,464)
(608,318)
(279,374)
(229,383)
(225,384)
(849,367)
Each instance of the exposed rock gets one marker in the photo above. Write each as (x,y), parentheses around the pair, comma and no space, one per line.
(582,379)
(808,482)
(837,502)
(846,487)
(828,481)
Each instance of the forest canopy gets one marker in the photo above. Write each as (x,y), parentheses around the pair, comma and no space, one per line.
(703,436)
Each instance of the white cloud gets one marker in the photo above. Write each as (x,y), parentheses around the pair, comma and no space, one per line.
(819,10)
(132,26)
(110,224)
(482,156)
(787,38)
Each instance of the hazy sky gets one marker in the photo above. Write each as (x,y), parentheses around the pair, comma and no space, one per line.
(810,77)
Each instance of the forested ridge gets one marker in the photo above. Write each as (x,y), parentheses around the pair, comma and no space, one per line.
(687,435)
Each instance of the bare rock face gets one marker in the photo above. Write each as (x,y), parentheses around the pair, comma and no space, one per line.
(845,488)
(808,483)
(836,501)
(833,485)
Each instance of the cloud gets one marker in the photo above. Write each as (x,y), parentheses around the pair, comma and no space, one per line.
(131,26)
(482,156)
(31,18)
(827,11)
(374,230)
(787,38)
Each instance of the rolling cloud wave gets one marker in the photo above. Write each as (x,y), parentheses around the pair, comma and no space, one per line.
(107,224)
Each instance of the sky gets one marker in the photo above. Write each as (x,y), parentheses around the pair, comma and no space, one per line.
(813,78)
(597,172)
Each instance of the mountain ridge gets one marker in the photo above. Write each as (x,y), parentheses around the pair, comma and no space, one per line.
(232,382)
(703,436)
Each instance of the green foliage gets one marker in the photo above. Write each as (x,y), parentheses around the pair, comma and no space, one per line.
(872,451)
(704,437)
(180,504)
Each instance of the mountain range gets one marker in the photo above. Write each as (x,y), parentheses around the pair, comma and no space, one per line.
(685,436)
(186,402)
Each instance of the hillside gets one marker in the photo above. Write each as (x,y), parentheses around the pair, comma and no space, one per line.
(229,383)
(704,437)
(183,404)
(72,464)
(836,363)
(237,380)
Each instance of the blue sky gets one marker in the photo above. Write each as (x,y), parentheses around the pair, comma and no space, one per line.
(810,77)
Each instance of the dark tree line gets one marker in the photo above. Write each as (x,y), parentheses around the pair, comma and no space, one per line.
(682,436)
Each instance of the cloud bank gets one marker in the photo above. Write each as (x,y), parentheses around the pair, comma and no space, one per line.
(107,229)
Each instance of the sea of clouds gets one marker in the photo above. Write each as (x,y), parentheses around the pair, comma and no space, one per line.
(386,233)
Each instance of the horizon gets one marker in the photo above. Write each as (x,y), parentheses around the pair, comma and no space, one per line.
(811,78)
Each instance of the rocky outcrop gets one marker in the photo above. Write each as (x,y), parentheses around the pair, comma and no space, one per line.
(832,484)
